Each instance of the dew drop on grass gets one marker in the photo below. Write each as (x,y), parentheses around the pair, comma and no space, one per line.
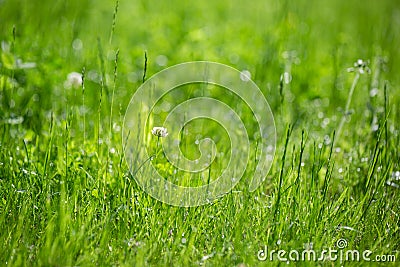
(133,77)
(161,60)
(245,75)
(375,127)
(94,76)
(392,184)
(373,92)
(12,103)
(206,257)
(286,77)
(116,127)
(14,121)
(111,55)
(77,44)
(35,98)
(327,140)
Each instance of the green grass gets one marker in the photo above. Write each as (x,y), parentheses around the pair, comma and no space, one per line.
(67,197)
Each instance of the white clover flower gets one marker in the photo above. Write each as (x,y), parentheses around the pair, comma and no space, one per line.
(74,80)
(360,66)
(159,131)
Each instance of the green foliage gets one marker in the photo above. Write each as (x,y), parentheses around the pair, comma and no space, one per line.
(66,194)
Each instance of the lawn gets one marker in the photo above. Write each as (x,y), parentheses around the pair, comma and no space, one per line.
(80,167)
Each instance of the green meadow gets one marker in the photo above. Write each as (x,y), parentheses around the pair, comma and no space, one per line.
(328,69)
